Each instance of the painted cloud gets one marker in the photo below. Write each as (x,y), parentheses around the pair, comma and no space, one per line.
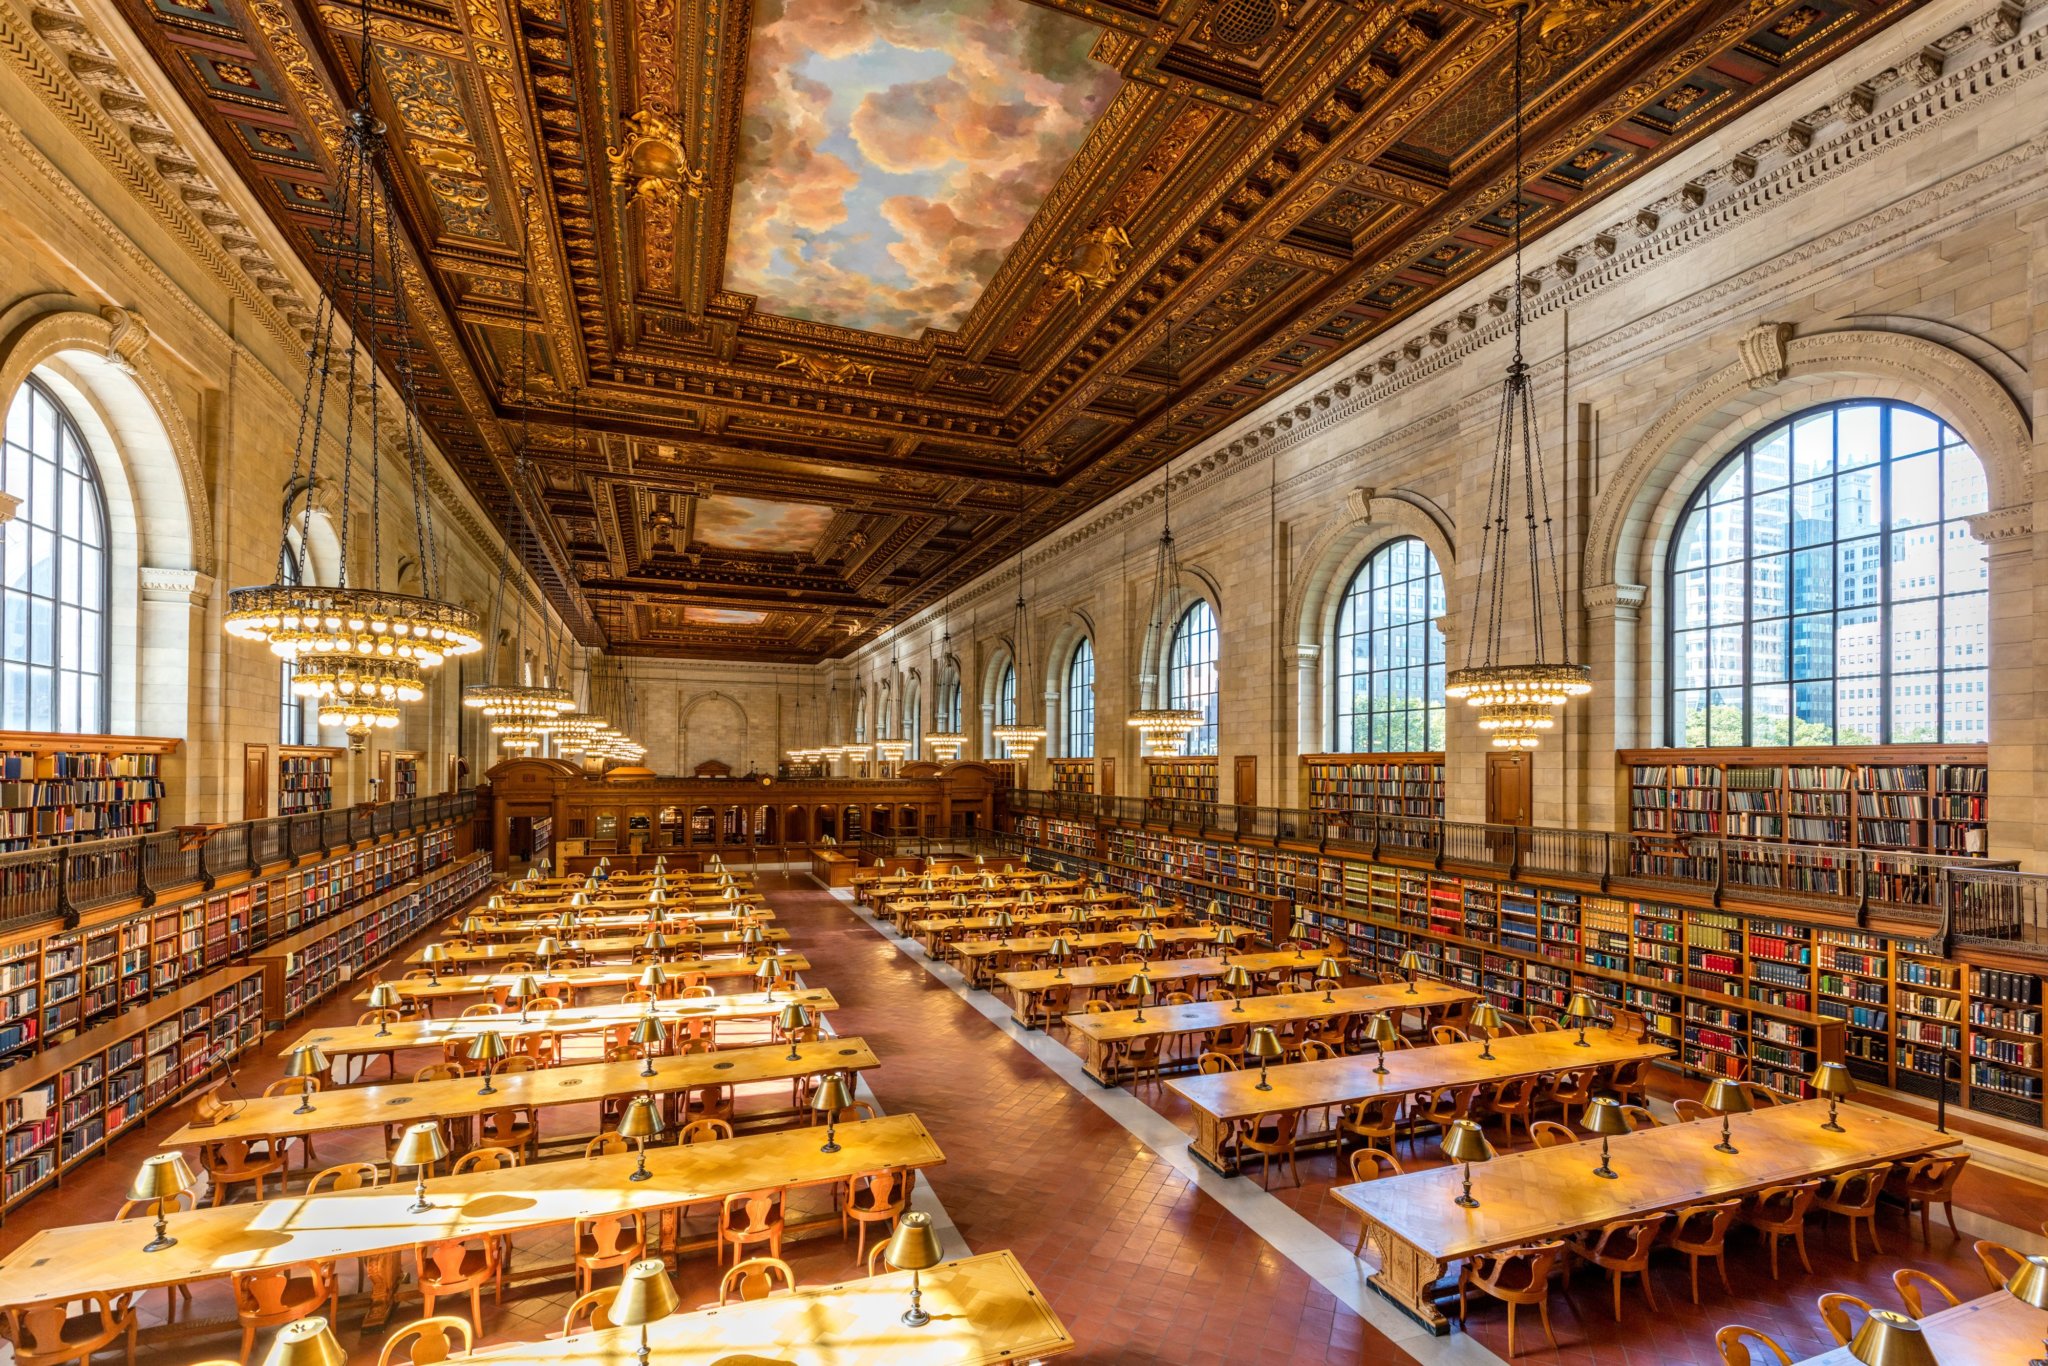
(761,524)
(893,150)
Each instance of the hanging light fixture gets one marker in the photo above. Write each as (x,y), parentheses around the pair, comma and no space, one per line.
(359,650)
(946,744)
(1164,730)
(1018,739)
(890,749)
(1517,702)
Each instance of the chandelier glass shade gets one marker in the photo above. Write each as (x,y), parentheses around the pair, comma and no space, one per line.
(298,621)
(946,745)
(1017,741)
(892,751)
(1164,730)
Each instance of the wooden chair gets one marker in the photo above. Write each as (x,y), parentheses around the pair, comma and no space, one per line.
(1702,1231)
(1998,1261)
(1732,1343)
(876,1265)
(1834,1312)
(606,1145)
(427,1342)
(439,1071)
(241,1162)
(1929,1181)
(297,1086)
(455,1265)
(1271,1136)
(1229,1041)
(1548,1133)
(1212,1064)
(754,1217)
(759,1277)
(1511,1101)
(1142,1056)
(1629,1081)
(1761,1097)
(478,1011)
(484,1160)
(1623,1249)
(515,1127)
(1369,1164)
(703,1131)
(1440,1108)
(1639,1118)
(1780,1212)
(1854,1196)
(1516,1276)
(51,1335)
(390,1055)
(590,1312)
(607,1240)
(273,1296)
(1542,1024)
(517,1062)
(1690,1110)
(1443,1034)
(1376,1120)
(147,1209)
(874,1198)
(1570,1092)
(1910,1281)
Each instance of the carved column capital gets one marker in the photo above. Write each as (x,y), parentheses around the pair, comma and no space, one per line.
(2005,530)
(1616,601)
(188,586)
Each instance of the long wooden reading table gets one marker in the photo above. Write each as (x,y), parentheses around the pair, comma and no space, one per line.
(588,922)
(76,1260)
(612,946)
(455,984)
(1224,1100)
(1167,974)
(938,932)
(361,1107)
(1108,1034)
(984,1309)
(1543,1193)
(977,956)
(1992,1331)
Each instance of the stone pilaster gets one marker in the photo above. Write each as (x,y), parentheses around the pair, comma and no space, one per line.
(170,633)
(2017,650)
(1611,717)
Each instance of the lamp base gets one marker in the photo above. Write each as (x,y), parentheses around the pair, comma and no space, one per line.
(304,1108)
(419,1207)
(1726,1147)
(828,1148)
(1603,1170)
(1467,1202)
(914,1317)
(159,1243)
(642,1175)
(487,1089)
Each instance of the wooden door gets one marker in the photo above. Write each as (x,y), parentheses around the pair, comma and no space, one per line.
(383,792)
(1509,790)
(255,782)
(1245,783)
(1107,768)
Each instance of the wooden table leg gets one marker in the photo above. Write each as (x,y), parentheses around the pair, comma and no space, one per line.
(1021,1005)
(383,1276)
(1211,1144)
(1100,1062)
(1407,1275)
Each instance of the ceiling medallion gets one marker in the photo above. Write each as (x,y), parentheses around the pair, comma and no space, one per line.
(826,369)
(1094,261)
(653,162)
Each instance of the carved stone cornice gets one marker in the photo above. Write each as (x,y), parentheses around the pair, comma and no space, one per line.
(188,586)
(1615,601)
(2005,530)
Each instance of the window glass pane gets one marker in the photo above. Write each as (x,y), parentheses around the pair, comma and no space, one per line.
(1770,714)
(1813,512)
(53,592)
(1963,698)
(1813,446)
(1912,433)
(1387,658)
(1768,660)
(1916,490)
(1813,713)
(1967,493)
(1859,435)
(1916,709)
(1770,460)
(1191,674)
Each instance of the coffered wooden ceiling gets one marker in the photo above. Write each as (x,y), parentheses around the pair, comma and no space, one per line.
(845,295)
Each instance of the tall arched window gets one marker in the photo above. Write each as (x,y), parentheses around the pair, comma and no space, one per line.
(1388,693)
(1006,696)
(913,715)
(1080,713)
(1191,673)
(948,717)
(53,598)
(860,720)
(1825,588)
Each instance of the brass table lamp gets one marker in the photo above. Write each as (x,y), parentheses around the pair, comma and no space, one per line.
(306,1063)
(1059,951)
(1726,1097)
(1603,1117)
(525,991)
(2029,1285)
(1889,1338)
(384,997)
(1329,972)
(1226,936)
(434,955)
(832,1096)
(162,1178)
(646,1295)
(641,1122)
(1003,920)
(1381,1032)
(1411,963)
(306,1342)
(649,1034)
(1581,1012)
(1832,1079)
(1239,979)
(914,1248)
(1135,986)
(1147,943)
(420,1147)
(768,974)
(488,1048)
(1465,1143)
(653,978)
(1487,1019)
(549,948)
(1264,1045)
(656,942)
(793,1018)
(753,939)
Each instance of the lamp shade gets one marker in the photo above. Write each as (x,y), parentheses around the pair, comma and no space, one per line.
(1725,1096)
(832,1095)
(1146,942)
(384,996)
(1225,935)
(307,1342)
(488,1046)
(435,953)
(420,1146)
(648,1030)
(472,924)
(646,1295)
(641,1120)
(1465,1141)
(548,947)
(1833,1079)
(1486,1015)
(1888,1338)
(1237,977)
(163,1176)
(1264,1045)
(2029,1282)
(527,988)
(307,1061)
(1059,950)
(1382,1030)
(655,941)
(652,978)
(794,1017)
(913,1247)
(1137,984)
(1329,970)
(1604,1117)
(1411,961)
(1581,1008)
(768,971)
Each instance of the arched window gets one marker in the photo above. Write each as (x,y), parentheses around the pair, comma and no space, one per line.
(1191,673)
(294,727)
(948,717)
(913,715)
(1080,716)
(1006,696)
(1825,588)
(53,599)
(1388,693)
(860,720)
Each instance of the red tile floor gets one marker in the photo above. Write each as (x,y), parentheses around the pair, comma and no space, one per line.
(1140,1263)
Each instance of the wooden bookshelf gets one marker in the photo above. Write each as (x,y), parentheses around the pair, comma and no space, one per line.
(1190,779)
(305,778)
(1913,798)
(1073,775)
(59,789)
(400,769)
(1375,784)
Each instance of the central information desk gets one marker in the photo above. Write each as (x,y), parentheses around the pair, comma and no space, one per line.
(453,984)
(460,1098)
(1544,1193)
(1224,1100)
(77,1260)
(985,1311)
(1106,1036)
(347,1040)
